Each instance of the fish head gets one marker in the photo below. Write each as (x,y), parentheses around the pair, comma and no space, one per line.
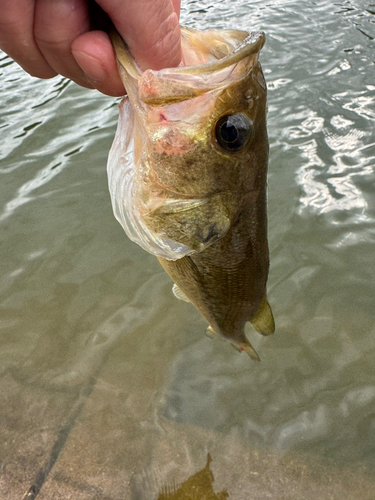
(199,140)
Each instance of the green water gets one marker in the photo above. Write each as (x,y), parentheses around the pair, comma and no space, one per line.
(103,370)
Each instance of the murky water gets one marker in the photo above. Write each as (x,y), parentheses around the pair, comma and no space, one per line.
(103,370)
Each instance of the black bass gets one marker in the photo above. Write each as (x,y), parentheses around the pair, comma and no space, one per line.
(188,173)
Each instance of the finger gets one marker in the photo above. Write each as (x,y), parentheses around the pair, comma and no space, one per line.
(94,53)
(57,24)
(17,37)
(151,30)
(177,7)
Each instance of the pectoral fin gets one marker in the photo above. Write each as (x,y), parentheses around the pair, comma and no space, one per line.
(177,292)
(210,332)
(263,321)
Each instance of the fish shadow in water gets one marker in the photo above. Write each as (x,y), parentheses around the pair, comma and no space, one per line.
(196,487)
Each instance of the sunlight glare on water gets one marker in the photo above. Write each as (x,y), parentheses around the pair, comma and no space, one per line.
(104,370)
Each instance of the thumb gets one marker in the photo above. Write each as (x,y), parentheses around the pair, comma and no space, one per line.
(150,28)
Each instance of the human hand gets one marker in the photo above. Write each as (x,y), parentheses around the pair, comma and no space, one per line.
(50,37)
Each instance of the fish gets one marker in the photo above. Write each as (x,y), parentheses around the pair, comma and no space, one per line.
(187,175)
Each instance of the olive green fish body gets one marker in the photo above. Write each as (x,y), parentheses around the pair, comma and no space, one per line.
(227,282)
(187,175)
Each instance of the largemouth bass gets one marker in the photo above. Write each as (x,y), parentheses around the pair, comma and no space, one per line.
(187,175)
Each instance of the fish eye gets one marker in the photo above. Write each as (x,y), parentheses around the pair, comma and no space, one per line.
(233,132)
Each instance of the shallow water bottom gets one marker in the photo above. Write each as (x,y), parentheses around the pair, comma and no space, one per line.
(134,425)
(103,441)
(109,388)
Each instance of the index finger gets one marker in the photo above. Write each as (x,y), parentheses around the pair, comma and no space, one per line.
(17,37)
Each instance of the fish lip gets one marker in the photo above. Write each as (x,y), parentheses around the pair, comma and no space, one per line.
(251,44)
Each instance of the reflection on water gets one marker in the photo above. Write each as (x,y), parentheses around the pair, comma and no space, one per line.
(81,303)
(196,487)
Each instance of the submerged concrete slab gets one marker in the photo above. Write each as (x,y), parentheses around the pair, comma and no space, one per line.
(38,414)
(123,447)
(110,437)
(165,468)
(118,429)
(34,424)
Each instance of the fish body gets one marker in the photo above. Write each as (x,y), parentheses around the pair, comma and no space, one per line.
(187,176)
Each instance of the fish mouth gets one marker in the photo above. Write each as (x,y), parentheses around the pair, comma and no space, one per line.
(228,54)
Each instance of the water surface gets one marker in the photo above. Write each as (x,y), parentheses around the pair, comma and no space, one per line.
(109,387)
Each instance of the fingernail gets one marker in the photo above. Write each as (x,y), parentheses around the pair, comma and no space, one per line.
(92,68)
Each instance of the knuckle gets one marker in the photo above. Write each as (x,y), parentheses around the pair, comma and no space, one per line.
(56,44)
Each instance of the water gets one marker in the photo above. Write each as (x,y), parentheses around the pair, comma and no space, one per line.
(109,387)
